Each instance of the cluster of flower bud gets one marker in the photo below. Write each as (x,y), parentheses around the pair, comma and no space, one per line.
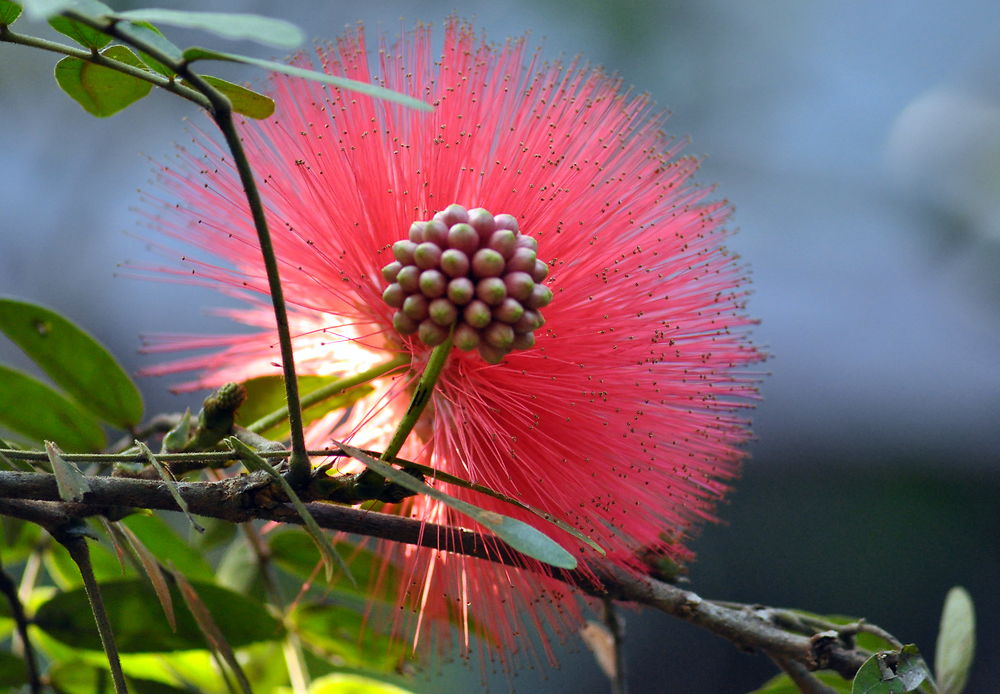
(472,272)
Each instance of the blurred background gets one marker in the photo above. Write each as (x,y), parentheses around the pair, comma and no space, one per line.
(860,144)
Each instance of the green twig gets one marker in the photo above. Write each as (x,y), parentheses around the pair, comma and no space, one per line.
(421,396)
(369,479)
(298,463)
(80,553)
(221,111)
(97,58)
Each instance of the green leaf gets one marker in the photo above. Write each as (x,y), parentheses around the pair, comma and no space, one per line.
(70,482)
(243,100)
(167,546)
(12,463)
(239,568)
(43,414)
(518,534)
(217,641)
(84,35)
(66,574)
(266,394)
(912,669)
(348,635)
(9,12)
(193,54)
(343,683)
(102,91)
(151,567)
(272,32)
(79,678)
(254,462)
(43,9)
(880,675)
(74,360)
(869,678)
(18,538)
(783,684)
(138,622)
(147,33)
(465,484)
(956,643)
(293,551)
(12,670)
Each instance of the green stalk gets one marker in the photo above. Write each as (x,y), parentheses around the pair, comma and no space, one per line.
(97,59)
(299,467)
(369,482)
(328,391)
(421,396)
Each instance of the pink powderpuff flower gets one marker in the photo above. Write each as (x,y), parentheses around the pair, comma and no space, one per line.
(619,414)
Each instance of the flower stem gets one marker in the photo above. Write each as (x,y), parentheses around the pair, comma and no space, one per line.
(330,390)
(221,111)
(421,396)
(369,481)
(298,463)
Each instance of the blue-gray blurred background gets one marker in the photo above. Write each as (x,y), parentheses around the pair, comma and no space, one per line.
(860,144)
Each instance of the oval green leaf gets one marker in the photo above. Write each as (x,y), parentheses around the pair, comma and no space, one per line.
(912,669)
(146,33)
(956,643)
(84,35)
(518,534)
(874,677)
(139,625)
(193,54)
(43,414)
(74,360)
(272,32)
(243,100)
(9,12)
(102,91)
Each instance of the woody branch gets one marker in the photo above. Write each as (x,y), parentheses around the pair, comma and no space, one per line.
(35,497)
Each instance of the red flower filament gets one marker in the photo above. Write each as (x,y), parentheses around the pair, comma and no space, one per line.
(618,412)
